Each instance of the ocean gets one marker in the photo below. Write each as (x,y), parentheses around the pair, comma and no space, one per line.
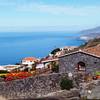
(16,45)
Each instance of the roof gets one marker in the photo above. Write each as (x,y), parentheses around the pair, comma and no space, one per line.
(30,59)
(93,51)
(49,59)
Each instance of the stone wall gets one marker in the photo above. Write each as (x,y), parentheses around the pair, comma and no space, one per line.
(94,87)
(69,62)
(31,87)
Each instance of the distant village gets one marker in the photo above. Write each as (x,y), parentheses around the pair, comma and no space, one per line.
(32,64)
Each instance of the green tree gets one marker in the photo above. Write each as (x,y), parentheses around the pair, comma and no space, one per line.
(55,50)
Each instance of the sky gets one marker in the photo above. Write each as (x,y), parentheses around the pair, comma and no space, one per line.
(49,15)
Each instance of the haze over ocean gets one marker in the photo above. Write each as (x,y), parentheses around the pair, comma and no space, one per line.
(14,46)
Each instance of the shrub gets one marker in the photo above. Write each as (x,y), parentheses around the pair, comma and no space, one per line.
(55,67)
(55,50)
(97,73)
(66,84)
(3,71)
(3,76)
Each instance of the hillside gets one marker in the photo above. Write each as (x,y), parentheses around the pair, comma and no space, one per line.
(90,33)
(91,43)
(93,30)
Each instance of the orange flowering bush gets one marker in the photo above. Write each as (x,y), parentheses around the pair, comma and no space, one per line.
(98,74)
(19,75)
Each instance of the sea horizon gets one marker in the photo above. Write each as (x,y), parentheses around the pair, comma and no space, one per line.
(16,45)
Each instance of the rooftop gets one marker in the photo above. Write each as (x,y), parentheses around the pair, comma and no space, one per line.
(49,59)
(30,59)
(93,51)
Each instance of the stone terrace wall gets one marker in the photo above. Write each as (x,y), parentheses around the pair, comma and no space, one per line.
(31,87)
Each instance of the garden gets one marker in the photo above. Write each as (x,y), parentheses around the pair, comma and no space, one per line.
(6,76)
(18,75)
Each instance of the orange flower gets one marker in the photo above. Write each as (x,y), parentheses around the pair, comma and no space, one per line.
(19,75)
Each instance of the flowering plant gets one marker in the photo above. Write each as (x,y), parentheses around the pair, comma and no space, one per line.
(19,75)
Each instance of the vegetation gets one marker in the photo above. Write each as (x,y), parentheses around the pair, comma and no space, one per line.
(3,73)
(17,64)
(66,84)
(19,75)
(83,45)
(98,73)
(34,66)
(55,50)
(55,67)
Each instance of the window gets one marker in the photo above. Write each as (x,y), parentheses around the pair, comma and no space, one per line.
(81,66)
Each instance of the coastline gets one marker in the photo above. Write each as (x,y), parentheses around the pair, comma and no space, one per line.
(14,49)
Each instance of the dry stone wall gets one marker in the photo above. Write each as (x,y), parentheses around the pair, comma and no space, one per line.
(31,87)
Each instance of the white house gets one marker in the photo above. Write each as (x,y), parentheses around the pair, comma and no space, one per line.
(29,61)
(2,68)
(11,67)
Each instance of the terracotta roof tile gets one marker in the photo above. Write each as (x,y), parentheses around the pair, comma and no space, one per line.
(30,59)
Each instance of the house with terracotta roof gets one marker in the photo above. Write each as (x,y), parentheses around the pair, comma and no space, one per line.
(84,60)
(29,61)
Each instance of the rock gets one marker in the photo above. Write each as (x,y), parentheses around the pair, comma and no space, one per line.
(91,90)
(73,94)
(76,92)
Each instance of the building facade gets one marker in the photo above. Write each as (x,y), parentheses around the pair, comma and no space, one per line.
(83,60)
(29,62)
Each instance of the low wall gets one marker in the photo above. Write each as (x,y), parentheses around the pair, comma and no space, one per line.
(31,87)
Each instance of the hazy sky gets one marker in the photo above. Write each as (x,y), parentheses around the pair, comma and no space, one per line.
(40,15)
